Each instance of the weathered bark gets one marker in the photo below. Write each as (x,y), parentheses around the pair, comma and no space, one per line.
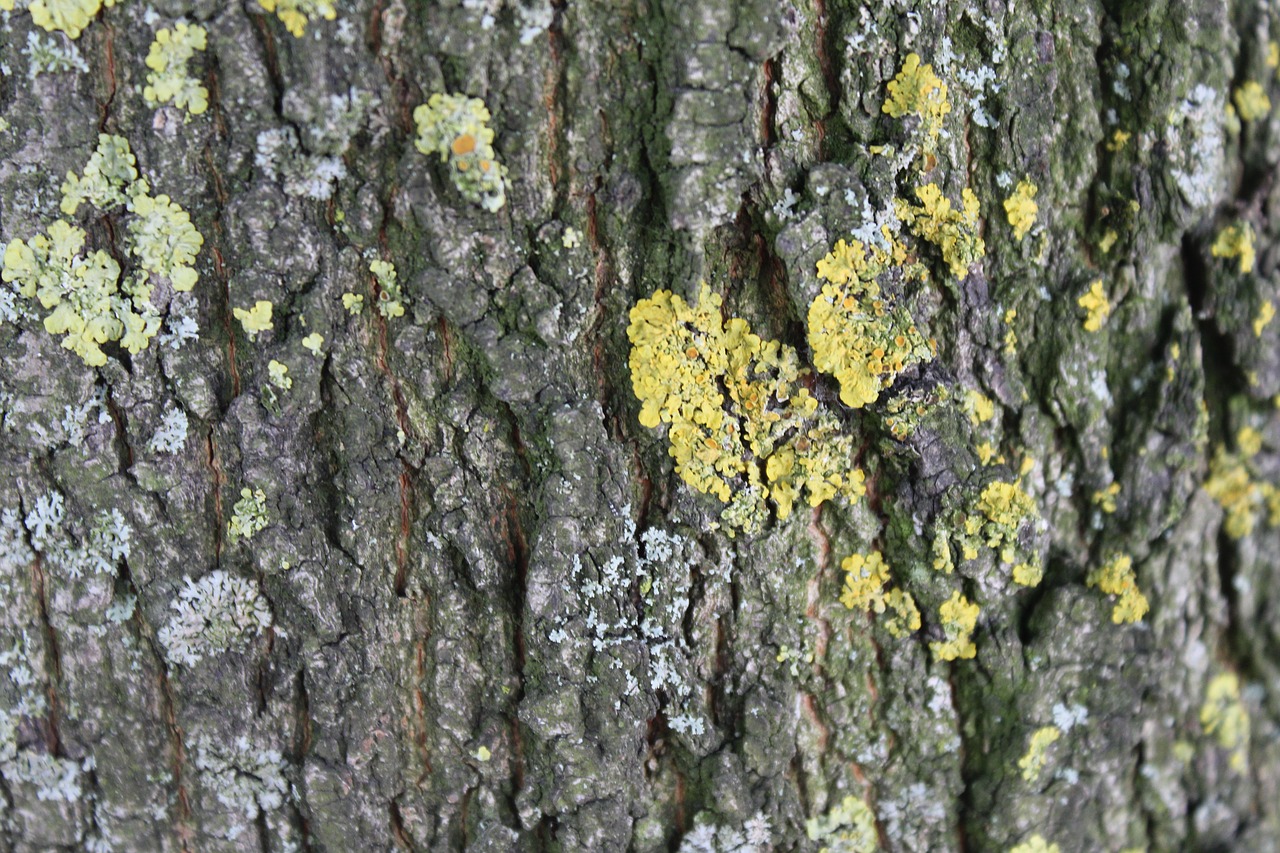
(491,596)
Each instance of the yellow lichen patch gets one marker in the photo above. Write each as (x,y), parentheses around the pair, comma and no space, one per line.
(256,319)
(979,407)
(456,128)
(733,401)
(1002,509)
(1095,303)
(954,232)
(917,91)
(1021,209)
(69,16)
(959,618)
(1035,844)
(1251,101)
(1108,240)
(168,80)
(1105,499)
(858,334)
(1223,717)
(1273,54)
(1119,140)
(850,827)
(1028,574)
(1236,241)
(864,589)
(1235,490)
(295,14)
(1266,313)
(1116,577)
(1037,754)
(864,581)
(942,561)
(1249,440)
(906,618)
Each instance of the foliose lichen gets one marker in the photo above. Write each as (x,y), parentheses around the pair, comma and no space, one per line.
(167,58)
(456,128)
(91,300)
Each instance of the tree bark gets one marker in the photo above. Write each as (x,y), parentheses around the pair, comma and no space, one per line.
(499,619)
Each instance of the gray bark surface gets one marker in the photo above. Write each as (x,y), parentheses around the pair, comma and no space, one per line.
(491,596)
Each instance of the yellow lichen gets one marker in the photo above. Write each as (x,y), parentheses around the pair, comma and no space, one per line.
(1118,140)
(917,91)
(864,589)
(731,402)
(1266,313)
(954,232)
(1236,241)
(256,319)
(942,561)
(1004,507)
(1251,101)
(1116,577)
(979,406)
(167,80)
(69,16)
(294,14)
(858,334)
(1223,716)
(1021,209)
(1095,303)
(1105,499)
(1037,754)
(1035,844)
(959,618)
(1235,490)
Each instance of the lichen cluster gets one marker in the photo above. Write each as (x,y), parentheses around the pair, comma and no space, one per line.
(211,615)
(860,334)
(168,80)
(998,518)
(1021,208)
(954,231)
(68,16)
(1116,577)
(456,128)
(1224,717)
(93,301)
(1096,306)
(1037,754)
(1236,241)
(958,617)
(295,14)
(1244,497)
(918,92)
(740,425)
(864,589)
(390,296)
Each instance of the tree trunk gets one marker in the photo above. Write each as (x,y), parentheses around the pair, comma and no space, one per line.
(484,609)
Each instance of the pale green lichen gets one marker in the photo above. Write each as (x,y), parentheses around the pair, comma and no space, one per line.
(210,615)
(92,300)
(249,515)
(167,80)
(313,343)
(850,827)
(390,297)
(1251,101)
(278,375)
(456,128)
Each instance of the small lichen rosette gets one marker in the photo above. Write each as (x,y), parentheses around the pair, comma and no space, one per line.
(740,426)
(457,129)
(859,334)
(91,300)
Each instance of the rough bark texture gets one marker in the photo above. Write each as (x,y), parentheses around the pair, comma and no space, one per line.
(491,596)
